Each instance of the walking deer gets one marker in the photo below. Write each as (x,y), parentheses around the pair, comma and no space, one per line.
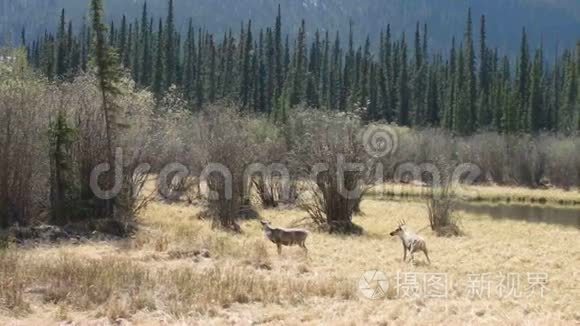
(285,237)
(411,242)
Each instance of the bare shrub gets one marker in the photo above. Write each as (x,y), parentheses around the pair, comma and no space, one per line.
(227,148)
(177,187)
(441,200)
(522,160)
(24,166)
(90,146)
(270,186)
(562,160)
(329,142)
(52,138)
(174,152)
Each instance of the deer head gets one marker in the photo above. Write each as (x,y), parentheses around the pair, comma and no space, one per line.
(400,229)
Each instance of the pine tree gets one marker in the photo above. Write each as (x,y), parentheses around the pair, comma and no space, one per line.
(570,108)
(158,80)
(170,47)
(403,88)
(123,52)
(62,50)
(246,79)
(279,52)
(471,87)
(419,79)
(462,112)
(523,83)
(485,115)
(61,136)
(373,106)
(108,76)
(450,88)
(299,67)
(146,42)
(535,117)
(432,99)
(188,70)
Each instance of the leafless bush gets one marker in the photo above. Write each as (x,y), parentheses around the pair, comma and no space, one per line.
(522,160)
(269,186)
(36,118)
(328,142)
(227,147)
(441,200)
(82,103)
(562,160)
(24,166)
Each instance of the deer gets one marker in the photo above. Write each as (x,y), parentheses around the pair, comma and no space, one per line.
(285,237)
(411,242)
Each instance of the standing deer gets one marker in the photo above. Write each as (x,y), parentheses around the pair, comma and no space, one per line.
(285,237)
(411,242)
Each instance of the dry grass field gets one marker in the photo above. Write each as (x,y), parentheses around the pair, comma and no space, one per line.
(164,275)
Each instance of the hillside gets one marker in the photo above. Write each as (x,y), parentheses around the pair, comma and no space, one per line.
(554,22)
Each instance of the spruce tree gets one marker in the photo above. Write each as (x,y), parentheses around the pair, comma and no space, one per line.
(158,80)
(146,42)
(403,88)
(108,76)
(523,83)
(536,102)
(170,47)
(62,49)
(471,87)
(570,108)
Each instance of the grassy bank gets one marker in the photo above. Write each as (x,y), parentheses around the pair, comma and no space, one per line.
(162,274)
(490,194)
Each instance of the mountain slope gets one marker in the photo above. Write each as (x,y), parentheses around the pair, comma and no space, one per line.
(553,21)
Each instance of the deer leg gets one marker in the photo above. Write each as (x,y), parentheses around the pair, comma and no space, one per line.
(303,245)
(411,249)
(404,253)
(279,248)
(427,255)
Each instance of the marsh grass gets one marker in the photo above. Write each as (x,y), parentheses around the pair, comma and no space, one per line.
(118,287)
(483,193)
(11,285)
(245,281)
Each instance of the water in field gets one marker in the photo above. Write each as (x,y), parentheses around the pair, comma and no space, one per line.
(544,214)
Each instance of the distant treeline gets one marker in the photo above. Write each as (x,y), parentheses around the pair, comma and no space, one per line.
(468,88)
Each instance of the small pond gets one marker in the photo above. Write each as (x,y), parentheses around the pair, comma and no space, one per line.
(569,216)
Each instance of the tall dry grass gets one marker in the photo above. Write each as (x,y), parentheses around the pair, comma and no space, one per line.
(158,277)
